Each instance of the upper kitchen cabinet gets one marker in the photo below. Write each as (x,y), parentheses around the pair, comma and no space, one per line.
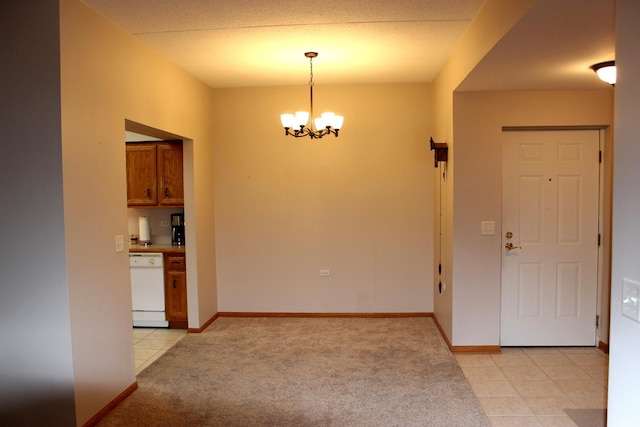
(170,183)
(154,174)
(142,180)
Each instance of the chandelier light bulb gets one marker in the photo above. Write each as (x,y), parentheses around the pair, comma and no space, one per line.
(287,120)
(332,120)
(302,118)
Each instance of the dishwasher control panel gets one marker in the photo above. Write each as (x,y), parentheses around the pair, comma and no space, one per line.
(145,259)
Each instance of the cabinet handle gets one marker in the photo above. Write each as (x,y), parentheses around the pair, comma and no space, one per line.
(148,192)
(174,283)
(166,192)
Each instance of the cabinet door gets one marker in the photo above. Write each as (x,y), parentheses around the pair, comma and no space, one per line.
(141,175)
(170,190)
(176,295)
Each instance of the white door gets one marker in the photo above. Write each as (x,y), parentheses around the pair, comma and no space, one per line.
(550,193)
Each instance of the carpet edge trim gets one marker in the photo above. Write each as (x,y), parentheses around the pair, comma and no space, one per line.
(466,349)
(204,326)
(323,315)
(93,421)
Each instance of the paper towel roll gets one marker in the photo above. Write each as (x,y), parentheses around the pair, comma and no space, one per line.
(145,229)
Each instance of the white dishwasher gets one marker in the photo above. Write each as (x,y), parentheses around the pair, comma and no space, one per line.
(147,290)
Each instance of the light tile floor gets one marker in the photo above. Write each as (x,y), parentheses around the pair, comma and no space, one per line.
(532,386)
(151,343)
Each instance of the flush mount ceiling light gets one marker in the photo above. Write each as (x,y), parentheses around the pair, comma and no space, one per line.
(296,124)
(606,71)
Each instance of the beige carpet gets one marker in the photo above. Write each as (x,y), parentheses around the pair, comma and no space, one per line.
(305,372)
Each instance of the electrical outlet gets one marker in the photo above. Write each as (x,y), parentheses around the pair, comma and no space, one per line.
(164,224)
(325,273)
(119,243)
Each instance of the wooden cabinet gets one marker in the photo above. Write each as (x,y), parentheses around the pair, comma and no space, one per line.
(175,289)
(154,174)
(169,167)
(142,180)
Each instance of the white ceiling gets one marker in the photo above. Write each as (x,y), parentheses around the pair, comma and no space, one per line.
(236,43)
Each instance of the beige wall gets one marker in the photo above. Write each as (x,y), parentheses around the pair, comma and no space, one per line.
(106,77)
(359,205)
(479,118)
(493,21)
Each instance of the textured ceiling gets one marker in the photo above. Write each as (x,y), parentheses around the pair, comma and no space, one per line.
(229,43)
(552,47)
(235,43)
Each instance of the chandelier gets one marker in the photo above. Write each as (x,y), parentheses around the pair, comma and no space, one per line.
(296,124)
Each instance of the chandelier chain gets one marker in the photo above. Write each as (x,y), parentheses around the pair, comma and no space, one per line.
(310,71)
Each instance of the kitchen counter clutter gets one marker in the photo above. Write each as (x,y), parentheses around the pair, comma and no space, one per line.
(160,247)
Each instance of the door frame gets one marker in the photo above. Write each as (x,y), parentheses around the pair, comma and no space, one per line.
(603,268)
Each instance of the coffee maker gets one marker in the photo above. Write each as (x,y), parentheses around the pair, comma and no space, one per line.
(177,229)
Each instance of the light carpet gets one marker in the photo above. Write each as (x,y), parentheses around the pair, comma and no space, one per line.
(267,371)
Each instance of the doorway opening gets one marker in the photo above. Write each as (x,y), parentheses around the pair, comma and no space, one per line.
(167,155)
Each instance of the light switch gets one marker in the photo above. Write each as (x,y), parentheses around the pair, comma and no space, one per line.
(119,243)
(631,299)
(488,228)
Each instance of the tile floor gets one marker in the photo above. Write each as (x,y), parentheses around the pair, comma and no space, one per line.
(531,386)
(519,387)
(151,343)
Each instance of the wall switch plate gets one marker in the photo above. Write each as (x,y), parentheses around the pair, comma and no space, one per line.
(119,243)
(488,228)
(325,273)
(631,299)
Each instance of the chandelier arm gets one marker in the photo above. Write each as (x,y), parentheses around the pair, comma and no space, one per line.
(298,133)
(313,134)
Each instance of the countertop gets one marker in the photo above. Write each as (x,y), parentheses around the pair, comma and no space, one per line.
(162,248)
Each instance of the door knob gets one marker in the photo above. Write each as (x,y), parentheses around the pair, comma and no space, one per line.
(509,246)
